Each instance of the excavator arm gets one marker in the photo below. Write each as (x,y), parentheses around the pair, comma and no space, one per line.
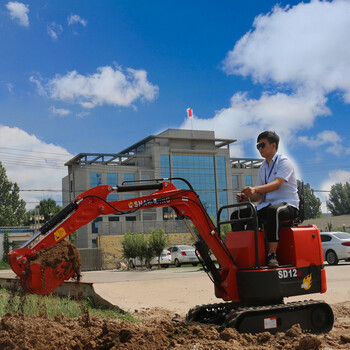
(36,278)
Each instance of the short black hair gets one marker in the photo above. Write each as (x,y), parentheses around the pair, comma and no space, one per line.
(271,136)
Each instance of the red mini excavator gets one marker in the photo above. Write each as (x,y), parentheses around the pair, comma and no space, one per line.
(253,293)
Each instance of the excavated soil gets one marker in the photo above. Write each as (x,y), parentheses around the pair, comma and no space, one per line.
(58,253)
(156,330)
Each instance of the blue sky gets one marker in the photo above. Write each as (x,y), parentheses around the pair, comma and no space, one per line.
(97,76)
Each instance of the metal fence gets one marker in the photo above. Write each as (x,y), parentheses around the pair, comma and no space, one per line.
(91,259)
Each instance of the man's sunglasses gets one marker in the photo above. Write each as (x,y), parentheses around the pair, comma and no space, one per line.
(261,145)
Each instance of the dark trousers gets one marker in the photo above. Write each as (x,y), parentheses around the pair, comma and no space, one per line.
(270,216)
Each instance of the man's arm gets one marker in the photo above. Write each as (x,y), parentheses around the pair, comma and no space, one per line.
(255,193)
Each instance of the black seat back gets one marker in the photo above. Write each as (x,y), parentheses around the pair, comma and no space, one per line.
(300,218)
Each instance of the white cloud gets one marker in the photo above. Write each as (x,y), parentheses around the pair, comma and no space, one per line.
(335,176)
(298,52)
(247,117)
(54,30)
(19,12)
(324,137)
(304,46)
(82,114)
(327,137)
(37,82)
(107,86)
(72,19)
(59,111)
(33,164)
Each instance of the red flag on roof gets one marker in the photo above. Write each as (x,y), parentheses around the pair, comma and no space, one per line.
(189,112)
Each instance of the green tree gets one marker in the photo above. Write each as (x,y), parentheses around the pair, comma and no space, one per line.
(157,242)
(149,254)
(312,204)
(6,245)
(73,237)
(339,199)
(141,247)
(47,207)
(12,208)
(129,246)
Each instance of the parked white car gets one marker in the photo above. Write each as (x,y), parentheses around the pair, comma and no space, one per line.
(336,246)
(183,254)
(165,260)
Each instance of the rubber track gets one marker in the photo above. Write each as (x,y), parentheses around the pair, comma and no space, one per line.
(227,314)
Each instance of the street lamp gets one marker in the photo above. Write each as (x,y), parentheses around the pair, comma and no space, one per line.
(37,220)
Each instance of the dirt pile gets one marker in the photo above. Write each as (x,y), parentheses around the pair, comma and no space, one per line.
(158,331)
(55,255)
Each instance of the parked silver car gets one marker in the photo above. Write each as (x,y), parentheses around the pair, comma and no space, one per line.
(164,261)
(336,246)
(183,254)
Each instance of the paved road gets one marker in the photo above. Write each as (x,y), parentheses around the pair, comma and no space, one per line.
(179,289)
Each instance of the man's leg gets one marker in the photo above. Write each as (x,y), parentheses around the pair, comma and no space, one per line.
(272,216)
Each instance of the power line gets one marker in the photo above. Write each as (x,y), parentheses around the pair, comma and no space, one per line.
(26,150)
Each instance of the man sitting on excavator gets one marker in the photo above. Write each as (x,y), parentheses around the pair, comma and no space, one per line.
(275,190)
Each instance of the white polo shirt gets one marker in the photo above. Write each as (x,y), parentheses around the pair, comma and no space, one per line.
(280,166)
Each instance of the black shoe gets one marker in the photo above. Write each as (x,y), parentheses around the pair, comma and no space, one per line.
(272,260)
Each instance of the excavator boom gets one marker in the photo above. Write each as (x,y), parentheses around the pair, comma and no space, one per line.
(92,203)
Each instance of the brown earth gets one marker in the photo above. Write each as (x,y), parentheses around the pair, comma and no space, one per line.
(156,330)
(58,253)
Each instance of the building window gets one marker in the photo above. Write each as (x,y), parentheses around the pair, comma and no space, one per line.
(199,171)
(130,218)
(235,184)
(129,177)
(222,184)
(94,225)
(113,218)
(113,197)
(145,176)
(248,180)
(164,166)
(112,179)
(95,179)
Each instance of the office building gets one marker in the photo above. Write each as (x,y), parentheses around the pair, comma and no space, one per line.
(195,155)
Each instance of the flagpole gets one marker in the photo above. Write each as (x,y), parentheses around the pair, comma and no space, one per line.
(190,115)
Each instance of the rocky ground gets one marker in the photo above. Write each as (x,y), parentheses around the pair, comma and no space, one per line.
(156,330)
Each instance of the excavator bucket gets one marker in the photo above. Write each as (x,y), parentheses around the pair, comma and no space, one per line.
(41,272)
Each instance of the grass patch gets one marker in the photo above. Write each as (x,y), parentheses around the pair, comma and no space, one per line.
(4,265)
(51,306)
